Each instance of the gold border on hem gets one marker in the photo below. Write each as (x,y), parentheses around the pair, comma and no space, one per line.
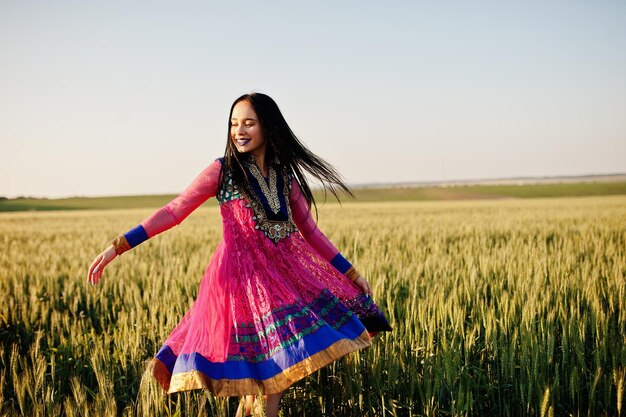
(249,386)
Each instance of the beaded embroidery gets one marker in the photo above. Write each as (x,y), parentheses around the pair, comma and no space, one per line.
(264,217)
(271,193)
(272,228)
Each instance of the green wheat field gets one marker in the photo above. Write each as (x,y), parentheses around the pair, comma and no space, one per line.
(503,307)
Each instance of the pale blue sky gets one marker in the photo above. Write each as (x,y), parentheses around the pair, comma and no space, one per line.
(113,98)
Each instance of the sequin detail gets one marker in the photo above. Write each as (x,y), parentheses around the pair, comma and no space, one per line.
(264,217)
(275,230)
(270,192)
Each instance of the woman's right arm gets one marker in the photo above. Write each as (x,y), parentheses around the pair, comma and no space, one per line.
(173,213)
(177,210)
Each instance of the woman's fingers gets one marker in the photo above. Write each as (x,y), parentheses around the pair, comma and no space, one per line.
(93,270)
(96,268)
(365,286)
(97,273)
(99,269)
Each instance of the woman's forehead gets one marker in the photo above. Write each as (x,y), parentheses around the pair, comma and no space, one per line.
(243,110)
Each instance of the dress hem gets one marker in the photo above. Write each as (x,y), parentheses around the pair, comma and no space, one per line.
(191,380)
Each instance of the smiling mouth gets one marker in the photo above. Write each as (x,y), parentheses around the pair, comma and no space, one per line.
(242,142)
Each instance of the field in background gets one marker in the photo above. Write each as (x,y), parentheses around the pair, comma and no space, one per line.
(500,307)
(457,192)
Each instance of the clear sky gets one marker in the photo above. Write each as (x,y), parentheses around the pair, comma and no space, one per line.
(117,97)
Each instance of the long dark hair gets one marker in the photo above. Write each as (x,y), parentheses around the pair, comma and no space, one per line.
(282,146)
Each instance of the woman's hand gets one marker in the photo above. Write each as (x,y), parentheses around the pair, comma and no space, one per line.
(98,264)
(365,286)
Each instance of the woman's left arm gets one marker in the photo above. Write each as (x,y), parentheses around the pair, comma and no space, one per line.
(301,213)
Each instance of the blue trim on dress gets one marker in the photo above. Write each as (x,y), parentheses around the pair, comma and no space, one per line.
(284,359)
(340,263)
(136,235)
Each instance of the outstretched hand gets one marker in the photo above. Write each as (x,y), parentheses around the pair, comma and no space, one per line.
(98,264)
(365,286)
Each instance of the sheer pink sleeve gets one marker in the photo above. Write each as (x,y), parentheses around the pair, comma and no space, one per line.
(173,213)
(312,234)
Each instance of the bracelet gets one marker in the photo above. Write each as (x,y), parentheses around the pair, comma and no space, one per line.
(353,274)
(120,244)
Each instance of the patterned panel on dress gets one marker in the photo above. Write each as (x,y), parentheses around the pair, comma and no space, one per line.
(228,191)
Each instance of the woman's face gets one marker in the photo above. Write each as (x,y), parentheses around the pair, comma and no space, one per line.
(246,131)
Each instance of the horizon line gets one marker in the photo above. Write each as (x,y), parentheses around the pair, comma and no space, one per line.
(522,180)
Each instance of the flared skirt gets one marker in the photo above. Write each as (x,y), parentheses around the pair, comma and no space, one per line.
(266,316)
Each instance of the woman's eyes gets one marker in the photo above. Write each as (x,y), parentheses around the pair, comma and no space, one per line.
(247,124)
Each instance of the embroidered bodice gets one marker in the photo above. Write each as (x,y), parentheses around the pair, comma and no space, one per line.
(267,197)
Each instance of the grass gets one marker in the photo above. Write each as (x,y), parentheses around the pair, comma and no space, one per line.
(508,307)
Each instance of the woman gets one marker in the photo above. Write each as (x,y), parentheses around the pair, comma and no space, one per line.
(277,301)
